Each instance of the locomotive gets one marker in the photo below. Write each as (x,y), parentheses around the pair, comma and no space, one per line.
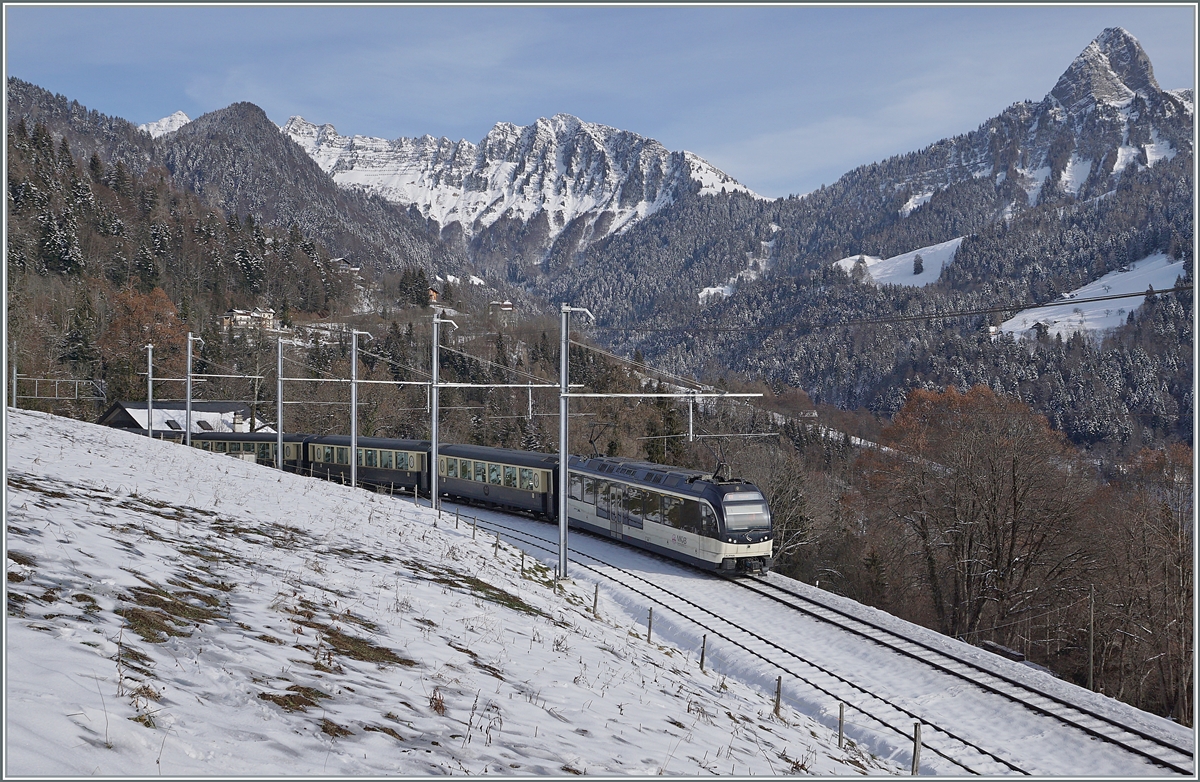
(707,521)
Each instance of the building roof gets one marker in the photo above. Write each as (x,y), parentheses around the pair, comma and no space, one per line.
(171,416)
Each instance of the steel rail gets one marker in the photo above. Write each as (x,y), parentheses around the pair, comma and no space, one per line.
(974,681)
(538,541)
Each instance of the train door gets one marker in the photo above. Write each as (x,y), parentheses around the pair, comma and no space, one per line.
(616,508)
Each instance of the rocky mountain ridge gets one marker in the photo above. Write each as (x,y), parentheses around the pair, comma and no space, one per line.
(1105,113)
(561,167)
(166,125)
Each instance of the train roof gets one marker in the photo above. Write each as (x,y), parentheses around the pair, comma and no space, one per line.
(546,461)
(388,443)
(651,473)
(639,470)
(252,437)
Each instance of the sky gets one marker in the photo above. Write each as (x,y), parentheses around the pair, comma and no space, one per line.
(782,98)
(336,631)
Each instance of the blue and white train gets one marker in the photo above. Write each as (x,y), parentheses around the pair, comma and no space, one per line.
(689,515)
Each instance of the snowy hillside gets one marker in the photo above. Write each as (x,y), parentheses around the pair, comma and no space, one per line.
(562,167)
(1158,271)
(178,613)
(166,124)
(898,270)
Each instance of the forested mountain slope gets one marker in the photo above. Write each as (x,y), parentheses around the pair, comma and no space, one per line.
(237,161)
(1048,197)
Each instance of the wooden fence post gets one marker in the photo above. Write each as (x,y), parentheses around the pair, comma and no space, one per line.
(916,764)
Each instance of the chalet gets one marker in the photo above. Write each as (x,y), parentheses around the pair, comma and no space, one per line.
(344,267)
(256,318)
(170,418)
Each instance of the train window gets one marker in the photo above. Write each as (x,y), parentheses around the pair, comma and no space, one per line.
(370,457)
(602,499)
(526,478)
(633,507)
(689,517)
(672,511)
(708,521)
(385,460)
(576,486)
(359,457)
(343,455)
(264,450)
(650,507)
(494,474)
(452,468)
(235,448)
(464,469)
(481,472)
(206,445)
(510,477)
(749,511)
(327,454)
(589,491)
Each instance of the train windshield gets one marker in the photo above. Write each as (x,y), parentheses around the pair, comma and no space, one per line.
(745,511)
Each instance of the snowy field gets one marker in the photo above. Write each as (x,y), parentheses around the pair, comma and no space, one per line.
(898,270)
(172,611)
(1156,270)
(175,613)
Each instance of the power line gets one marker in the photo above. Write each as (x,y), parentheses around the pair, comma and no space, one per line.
(637,364)
(498,366)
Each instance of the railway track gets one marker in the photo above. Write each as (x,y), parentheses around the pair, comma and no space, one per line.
(1158,750)
(883,713)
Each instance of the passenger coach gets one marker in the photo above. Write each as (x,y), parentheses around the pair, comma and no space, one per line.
(524,480)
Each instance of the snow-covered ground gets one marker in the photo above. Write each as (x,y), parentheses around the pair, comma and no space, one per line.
(1158,270)
(174,612)
(898,270)
(177,612)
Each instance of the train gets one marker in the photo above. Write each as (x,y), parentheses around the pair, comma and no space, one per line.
(710,522)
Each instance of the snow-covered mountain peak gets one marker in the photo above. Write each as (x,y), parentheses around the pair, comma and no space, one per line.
(1111,69)
(560,166)
(166,124)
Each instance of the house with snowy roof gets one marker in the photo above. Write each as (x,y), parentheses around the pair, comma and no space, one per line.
(250,319)
(170,418)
